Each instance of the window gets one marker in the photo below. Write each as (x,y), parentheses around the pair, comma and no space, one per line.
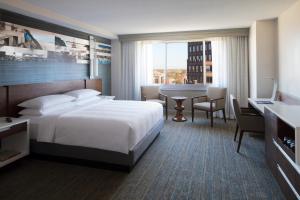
(208,62)
(176,63)
(159,63)
(182,62)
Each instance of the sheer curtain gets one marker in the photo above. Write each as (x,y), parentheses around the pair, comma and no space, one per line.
(137,67)
(230,68)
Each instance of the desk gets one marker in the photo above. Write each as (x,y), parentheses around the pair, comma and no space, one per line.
(282,120)
(261,107)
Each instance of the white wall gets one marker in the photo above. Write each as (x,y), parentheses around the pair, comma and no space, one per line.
(263,58)
(289,51)
(116,68)
(267,56)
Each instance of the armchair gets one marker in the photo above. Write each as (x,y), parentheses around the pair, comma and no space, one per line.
(152,93)
(210,103)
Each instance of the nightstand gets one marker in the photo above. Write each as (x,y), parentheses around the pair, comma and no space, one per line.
(14,140)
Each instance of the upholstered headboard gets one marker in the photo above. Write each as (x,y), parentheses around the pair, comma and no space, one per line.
(3,100)
(11,96)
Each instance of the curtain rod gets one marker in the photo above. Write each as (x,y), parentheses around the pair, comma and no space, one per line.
(185,35)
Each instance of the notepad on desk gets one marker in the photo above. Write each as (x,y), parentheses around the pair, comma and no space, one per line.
(264,102)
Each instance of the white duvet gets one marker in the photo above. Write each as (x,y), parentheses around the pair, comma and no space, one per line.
(110,125)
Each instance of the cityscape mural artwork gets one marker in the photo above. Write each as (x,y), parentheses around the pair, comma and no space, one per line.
(19,44)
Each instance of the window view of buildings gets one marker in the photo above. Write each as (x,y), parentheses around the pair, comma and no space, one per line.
(182,63)
(198,70)
(208,62)
(174,76)
(195,70)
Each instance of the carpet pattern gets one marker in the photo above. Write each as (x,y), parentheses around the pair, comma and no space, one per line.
(187,161)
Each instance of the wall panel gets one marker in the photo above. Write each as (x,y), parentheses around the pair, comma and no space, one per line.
(289,51)
(26,72)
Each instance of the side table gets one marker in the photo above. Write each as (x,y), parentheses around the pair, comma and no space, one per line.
(179,108)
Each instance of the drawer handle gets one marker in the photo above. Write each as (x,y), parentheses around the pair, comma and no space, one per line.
(288,182)
(286,156)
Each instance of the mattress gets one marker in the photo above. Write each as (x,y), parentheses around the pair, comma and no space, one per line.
(109,125)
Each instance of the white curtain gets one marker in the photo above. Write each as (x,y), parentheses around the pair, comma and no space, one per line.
(230,68)
(137,66)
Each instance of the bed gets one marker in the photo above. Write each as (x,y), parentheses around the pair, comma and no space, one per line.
(109,131)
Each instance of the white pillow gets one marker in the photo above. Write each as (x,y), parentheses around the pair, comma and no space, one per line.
(47,110)
(46,101)
(93,99)
(83,93)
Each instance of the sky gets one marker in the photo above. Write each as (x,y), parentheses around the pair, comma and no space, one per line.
(176,58)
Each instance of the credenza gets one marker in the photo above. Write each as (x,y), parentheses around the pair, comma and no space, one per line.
(282,123)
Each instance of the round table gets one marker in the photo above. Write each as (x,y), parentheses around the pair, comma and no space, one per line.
(179,108)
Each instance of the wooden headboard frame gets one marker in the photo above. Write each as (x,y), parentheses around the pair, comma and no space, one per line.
(3,100)
(11,96)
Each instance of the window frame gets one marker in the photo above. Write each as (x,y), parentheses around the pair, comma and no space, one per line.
(165,43)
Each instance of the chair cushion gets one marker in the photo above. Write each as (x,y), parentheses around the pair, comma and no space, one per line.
(157,101)
(150,92)
(204,106)
(216,92)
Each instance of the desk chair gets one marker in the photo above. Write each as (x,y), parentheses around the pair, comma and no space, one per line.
(246,121)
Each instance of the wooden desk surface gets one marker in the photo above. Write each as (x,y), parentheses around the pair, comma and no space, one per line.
(261,107)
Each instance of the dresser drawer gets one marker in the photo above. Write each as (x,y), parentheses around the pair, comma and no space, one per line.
(13,130)
(297,182)
(288,166)
(286,185)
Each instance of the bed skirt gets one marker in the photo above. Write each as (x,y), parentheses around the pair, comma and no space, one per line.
(98,155)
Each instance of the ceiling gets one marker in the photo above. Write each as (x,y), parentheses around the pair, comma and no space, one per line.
(114,17)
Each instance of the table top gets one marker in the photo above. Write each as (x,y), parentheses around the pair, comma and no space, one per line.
(15,121)
(260,106)
(179,98)
(288,113)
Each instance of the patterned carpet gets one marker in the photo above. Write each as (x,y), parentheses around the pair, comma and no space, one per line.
(187,161)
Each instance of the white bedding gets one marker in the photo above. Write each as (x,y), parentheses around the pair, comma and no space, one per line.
(110,125)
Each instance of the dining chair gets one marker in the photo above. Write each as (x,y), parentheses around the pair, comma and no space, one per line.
(214,101)
(247,120)
(152,93)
